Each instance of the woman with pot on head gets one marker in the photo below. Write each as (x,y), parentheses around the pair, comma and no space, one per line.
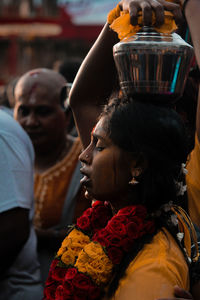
(134,242)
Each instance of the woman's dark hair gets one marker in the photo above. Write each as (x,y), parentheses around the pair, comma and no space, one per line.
(152,134)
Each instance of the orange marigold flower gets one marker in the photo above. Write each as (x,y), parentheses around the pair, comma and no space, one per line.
(68,257)
(124,29)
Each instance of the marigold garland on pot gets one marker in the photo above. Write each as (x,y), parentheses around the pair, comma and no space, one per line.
(88,255)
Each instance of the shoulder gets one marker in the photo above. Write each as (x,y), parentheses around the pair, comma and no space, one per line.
(163,251)
(16,165)
(12,135)
(156,269)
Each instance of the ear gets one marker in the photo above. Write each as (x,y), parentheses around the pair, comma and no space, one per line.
(63,96)
(136,171)
(138,166)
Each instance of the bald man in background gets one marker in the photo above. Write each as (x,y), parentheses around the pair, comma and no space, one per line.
(59,199)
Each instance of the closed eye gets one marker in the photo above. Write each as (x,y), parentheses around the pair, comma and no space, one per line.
(99,148)
(23,111)
(98,142)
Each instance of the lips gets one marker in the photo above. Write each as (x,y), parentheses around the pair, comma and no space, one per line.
(35,134)
(86,181)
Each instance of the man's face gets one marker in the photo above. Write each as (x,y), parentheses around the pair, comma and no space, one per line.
(39,112)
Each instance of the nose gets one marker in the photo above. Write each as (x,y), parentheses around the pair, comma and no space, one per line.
(31,120)
(86,156)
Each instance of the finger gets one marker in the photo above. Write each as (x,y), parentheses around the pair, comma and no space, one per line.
(146,13)
(126,4)
(133,11)
(159,12)
(175,9)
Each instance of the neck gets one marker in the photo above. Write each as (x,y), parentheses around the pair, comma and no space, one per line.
(129,198)
(46,159)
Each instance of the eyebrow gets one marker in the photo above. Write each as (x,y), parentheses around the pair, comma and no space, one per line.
(97,136)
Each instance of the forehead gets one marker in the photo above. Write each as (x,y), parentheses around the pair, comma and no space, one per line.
(101,128)
(31,91)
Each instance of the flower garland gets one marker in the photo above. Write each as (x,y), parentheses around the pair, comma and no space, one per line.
(86,260)
(119,21)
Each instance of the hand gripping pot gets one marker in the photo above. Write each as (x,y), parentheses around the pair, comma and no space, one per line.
(153,65)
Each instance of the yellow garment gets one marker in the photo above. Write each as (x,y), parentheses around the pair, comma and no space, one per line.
(50,189)
(193,183)
(155,271)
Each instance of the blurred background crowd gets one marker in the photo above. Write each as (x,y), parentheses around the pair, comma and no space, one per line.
(44,33)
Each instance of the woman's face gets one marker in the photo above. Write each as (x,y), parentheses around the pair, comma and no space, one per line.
(106,167)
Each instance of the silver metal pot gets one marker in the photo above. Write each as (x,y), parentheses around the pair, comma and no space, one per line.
(152,64)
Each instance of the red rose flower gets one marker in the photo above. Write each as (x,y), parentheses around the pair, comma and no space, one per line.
(84,223)
(117,225)
(53,265)
(133,230)
(71,273)
(127,211)
(115,255)
(50,291)
(137,220)
(81,282)
(100,238)
(63,293)
(49,280)
(59,293)
(68,289)
(113,240)
(138,210)
(97,203)
(100,216)
(58,274)
(88,212)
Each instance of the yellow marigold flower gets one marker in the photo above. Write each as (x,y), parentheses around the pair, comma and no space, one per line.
(95,262)
(75,241)
(81,262)
(77,236)
(66,242)
(98,277)
(124,29)
(68,257)
(76,250)
(113,14)
(61,251)
(94,250)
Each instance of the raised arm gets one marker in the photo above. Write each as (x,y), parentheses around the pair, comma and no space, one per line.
(93,84)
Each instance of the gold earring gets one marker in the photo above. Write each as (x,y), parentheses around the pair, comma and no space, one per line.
(133,181)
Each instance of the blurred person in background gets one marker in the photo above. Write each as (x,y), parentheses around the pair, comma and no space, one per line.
(7,100)
(39,108)
(19,267)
